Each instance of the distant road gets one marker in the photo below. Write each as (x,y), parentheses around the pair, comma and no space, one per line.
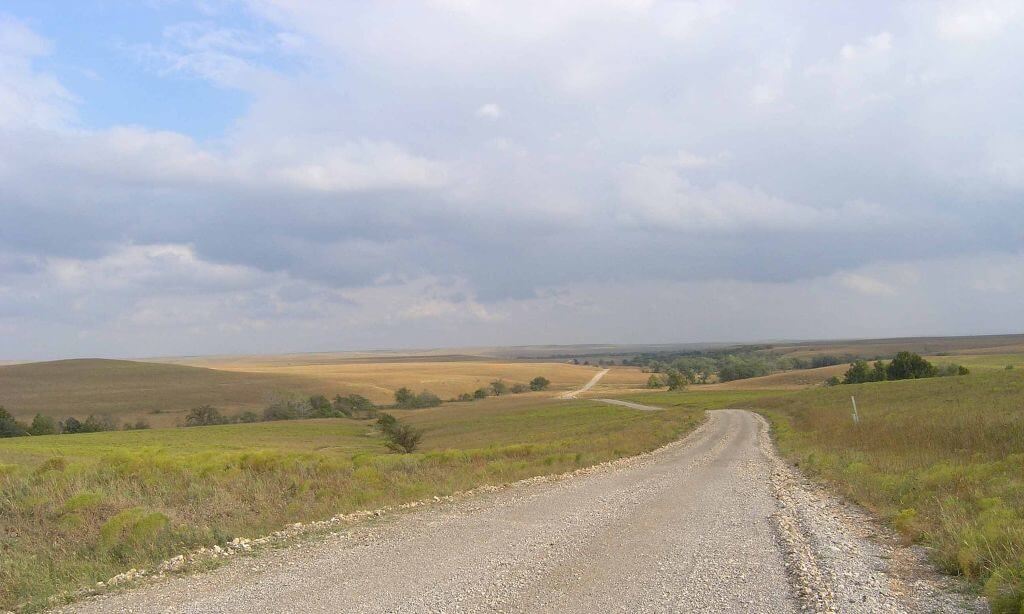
(572,394)
(714,523)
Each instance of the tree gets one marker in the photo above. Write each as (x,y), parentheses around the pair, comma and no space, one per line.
(858,373)
(426,399)
(204,415)
(404,397)
(908,365)
(466,396)
(539,383)
(676,380)
(832,381)
(519,388)
(281,409)
(499,387)
(878,374)
(320,407)
(9,427)
(404,438)
(71,425)
(654,382)
(480,393)
(97,424)
(42,425)
(248,417)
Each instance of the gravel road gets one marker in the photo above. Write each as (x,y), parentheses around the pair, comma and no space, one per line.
(572,394)
(712,523)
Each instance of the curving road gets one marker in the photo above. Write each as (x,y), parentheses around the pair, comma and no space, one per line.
(697,526)
(572,394)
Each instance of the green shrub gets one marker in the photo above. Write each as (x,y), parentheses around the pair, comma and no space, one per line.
(539,383)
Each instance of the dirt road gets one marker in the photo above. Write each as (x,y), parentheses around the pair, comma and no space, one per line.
(572,394)
(713,523)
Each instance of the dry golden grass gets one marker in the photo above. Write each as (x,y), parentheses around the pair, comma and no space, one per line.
(783,380)
(378,381)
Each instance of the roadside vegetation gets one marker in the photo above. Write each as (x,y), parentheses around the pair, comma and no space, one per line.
(942,459)
(905,365)
(77,510)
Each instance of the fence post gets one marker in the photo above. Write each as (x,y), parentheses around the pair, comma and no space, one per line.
(856,418)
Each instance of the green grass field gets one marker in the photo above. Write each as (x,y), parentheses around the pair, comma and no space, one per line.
(77,509)
(941,459)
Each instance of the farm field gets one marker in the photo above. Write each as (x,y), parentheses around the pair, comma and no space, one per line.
(81,508)
(378,380)
(161,394)
(129,390)
(942,459)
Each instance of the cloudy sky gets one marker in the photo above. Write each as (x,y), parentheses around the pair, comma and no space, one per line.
(184,177)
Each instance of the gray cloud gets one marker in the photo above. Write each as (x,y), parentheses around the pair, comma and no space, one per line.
(468,164)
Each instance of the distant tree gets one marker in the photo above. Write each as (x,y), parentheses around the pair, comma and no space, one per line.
(858,373)
(519,388)
(426,399)
(71,425)
(248,417)
(404,397)
(676,380)
(962,370)
(466,396)
(908,365)
(320,407)
(654,382)
(42,425)
(204,415)
(98,423)
(9,427)
(281,409)
(539,383)
(138,425)
(499,387)
(879,372)
(355,405)
(481,393)
(832,381)
(386,422)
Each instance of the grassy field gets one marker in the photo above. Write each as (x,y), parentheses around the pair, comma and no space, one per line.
(942,459)
(379,380)
(161,394)
(699,398)
(76,509)
(129,390)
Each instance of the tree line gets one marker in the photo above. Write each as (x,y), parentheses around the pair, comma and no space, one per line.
(904,365)
(353,406)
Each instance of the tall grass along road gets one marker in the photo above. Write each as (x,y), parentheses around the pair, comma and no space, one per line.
(573,394)
(710,523)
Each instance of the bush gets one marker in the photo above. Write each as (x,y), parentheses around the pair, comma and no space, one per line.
(286,409)
(400,437)
(320,407)
(138,425)
(355,405)
(248,417)
(539,383)
(832,381)
(404,397)
(98,424)
(465,396)
(204,415)
(908,365)
(676,380)
(480,393)
(42,425)
(70,426)
(9,427)
(499,387)
(519,388)
(654,382)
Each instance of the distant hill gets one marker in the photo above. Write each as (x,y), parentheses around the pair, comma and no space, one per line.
(126,389)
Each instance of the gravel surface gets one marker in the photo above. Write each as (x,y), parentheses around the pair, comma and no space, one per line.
(572,394)
(712,523)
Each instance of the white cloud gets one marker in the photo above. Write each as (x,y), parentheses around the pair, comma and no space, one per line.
(977,20)
(489,111)
(28,97)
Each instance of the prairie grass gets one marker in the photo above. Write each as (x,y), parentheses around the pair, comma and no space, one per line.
(942,459)
(77,509)
(699,397)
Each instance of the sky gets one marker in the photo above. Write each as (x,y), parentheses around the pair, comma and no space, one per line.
(258,176)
